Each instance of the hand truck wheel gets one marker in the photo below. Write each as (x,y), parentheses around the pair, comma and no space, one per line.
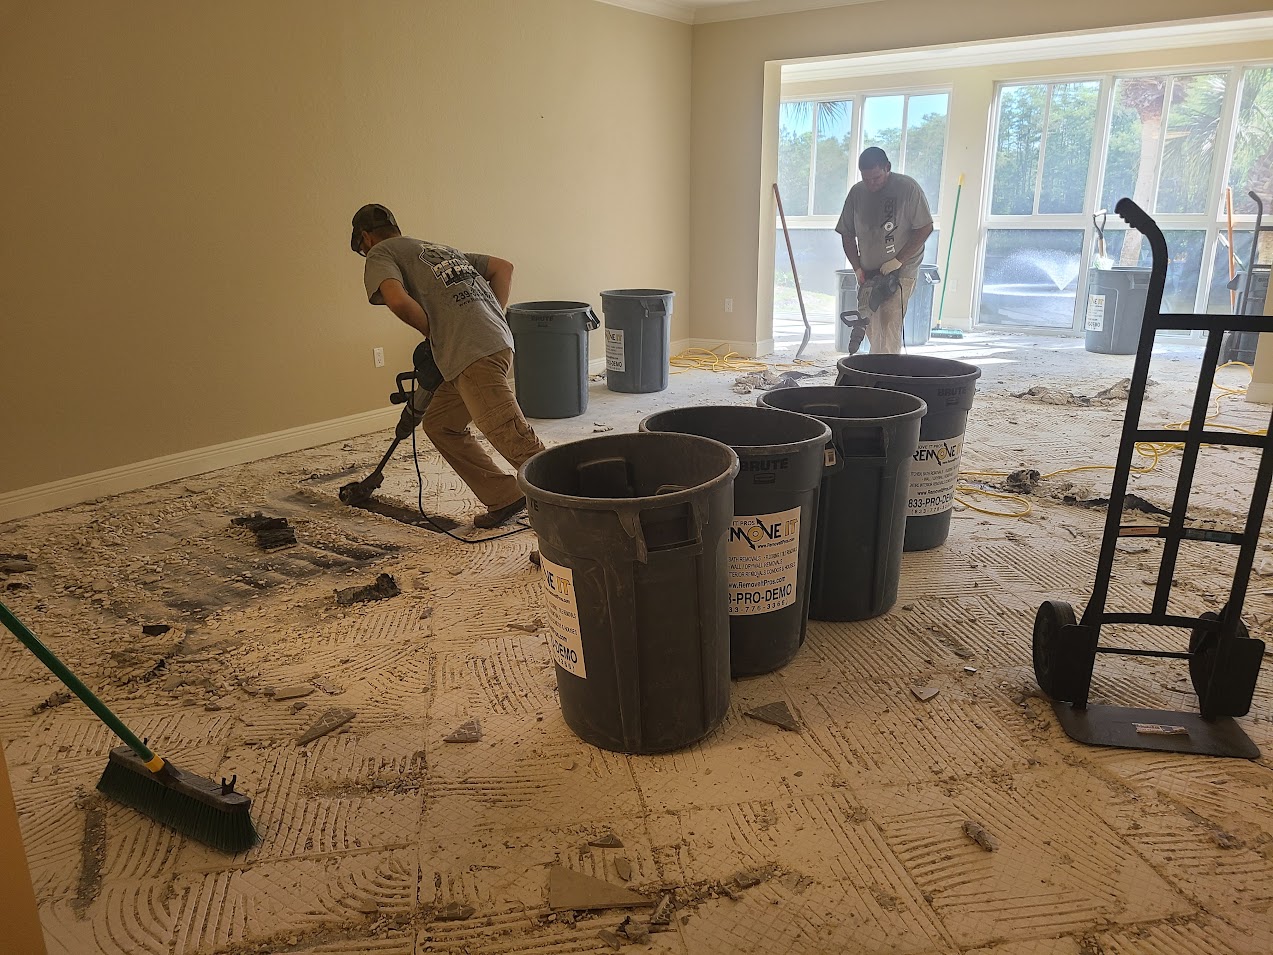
(1049,649)
(1203,649)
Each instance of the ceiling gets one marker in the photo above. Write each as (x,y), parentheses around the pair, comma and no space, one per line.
(713,11)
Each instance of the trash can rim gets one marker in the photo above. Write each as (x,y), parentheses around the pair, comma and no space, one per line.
(648,502)
(970,370)
(902,416)
(638,292)
(753,450)
(550,305)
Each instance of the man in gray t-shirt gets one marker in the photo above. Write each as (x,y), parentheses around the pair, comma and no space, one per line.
(883,227)
(457,301)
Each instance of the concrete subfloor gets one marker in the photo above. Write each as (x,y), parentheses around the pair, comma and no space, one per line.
(853,825)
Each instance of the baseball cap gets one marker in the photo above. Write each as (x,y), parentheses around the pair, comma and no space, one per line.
(367,219)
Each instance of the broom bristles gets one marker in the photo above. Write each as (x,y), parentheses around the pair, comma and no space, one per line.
(209,812)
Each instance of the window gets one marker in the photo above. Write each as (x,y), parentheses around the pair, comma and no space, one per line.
(818,145)
(1065,149)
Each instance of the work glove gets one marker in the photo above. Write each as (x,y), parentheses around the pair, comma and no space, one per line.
(892,265)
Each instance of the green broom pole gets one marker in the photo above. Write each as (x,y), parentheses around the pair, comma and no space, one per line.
(954,217)
(62,672)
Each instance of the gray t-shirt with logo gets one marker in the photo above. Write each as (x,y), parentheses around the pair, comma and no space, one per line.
(882,222)
(465,320)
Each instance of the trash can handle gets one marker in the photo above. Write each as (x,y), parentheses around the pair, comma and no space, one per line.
(630,521)
(660,307)
(591,318)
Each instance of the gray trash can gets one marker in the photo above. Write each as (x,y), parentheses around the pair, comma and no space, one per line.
(947,388)
(632,534)
(1115,309)
(550,358)
(781,458)
(919,309)
(857,556)
(638,338)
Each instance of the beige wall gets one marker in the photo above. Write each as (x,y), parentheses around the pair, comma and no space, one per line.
(972,91)
(179,179)
(731,174)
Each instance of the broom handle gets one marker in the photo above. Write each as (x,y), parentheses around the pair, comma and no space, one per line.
(954,217)
(62,672)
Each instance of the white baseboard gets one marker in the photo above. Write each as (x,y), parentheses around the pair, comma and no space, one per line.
(87,487)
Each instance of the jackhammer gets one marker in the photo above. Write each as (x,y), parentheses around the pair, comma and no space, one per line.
(425,379)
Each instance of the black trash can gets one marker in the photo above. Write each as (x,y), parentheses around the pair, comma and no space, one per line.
(781,457)
(632,537)
(638,338)
(550,357)
(857,556)
(1115,309)
(947,387)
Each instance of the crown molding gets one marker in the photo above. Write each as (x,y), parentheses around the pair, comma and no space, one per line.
(699,11)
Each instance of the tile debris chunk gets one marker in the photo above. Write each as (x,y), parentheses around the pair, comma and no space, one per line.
(330,721)
(924,693)
(978,834)
(568,889)
(271,532)
(777,714)
(384,588)
(607,840)
(470,732)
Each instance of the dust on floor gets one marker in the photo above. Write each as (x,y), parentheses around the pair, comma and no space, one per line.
(964,822)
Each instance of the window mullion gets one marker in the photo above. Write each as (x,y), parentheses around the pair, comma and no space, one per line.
(1043,147)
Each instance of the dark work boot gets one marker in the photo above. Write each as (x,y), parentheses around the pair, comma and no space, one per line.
(500,515)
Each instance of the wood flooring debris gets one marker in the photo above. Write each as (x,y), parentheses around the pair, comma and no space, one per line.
(384,588)
(925,693)
(532,627)
(980,835)
(568,889)
(470,732)
(777,714)
(330,721)
(271,533)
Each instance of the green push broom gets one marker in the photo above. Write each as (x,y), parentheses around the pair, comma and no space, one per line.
(212,813)
(938,331)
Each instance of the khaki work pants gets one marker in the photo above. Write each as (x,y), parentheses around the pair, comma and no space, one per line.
(481,394)
(884,331)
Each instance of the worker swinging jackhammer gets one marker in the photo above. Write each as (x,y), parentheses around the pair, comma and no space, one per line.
(879,289)
(425,379)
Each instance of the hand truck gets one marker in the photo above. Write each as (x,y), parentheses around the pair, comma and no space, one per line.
(1224,661)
